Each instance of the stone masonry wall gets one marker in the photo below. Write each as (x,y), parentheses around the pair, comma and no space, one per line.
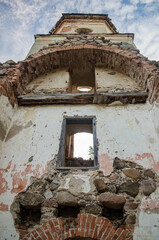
(62,195)
(120,56)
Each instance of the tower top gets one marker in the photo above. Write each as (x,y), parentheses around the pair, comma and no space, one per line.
(78,22)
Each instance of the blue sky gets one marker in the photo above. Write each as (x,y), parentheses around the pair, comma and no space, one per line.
(21,19)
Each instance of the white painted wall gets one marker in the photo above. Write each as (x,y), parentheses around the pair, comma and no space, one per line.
(148,219)
(124,131)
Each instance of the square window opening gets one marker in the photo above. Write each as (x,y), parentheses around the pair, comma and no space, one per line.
(78,143)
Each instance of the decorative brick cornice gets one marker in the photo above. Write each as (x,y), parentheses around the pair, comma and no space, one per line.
(85,226)
(130,62)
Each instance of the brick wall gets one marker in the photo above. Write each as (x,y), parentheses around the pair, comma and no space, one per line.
(129,62)
(84,226)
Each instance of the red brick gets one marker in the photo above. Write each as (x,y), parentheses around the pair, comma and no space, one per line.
(51,226)
(77,231)
(32,237)
(22,233)
(83,219)
(72,233)
(56,236)
(35,234)
(111,233)
(117,234)
(41,233)
(104,227)
(93,222)
(82,232)
(79,219)
(55,222)
(88,223)
(123,235)
(95,234)
(48,234)
(45,226)
(61,223)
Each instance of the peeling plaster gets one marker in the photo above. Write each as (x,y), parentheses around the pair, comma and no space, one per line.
(15,129)
(2,131)
(3,207)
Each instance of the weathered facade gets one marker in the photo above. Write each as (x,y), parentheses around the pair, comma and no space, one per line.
(47,192)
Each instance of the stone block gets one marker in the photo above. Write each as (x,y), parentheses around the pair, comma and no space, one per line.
(131,188)
(118,164)
(100,185)
(66,199)
(132,173)
(147,187)
(112,200)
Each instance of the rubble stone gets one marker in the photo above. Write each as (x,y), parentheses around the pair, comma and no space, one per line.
(50,203)
(111,200)
(147,187)
(66,199)
(54,185)
(132,173)
(112,188)
(130,206)
(100,185)
(131,188)
(47,197)
(30,199)
(3,71)
(10,62)
(48,194)
(118,164)
(130,219)
(93,209)
(149,173)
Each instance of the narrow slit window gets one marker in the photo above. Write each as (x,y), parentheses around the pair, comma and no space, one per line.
(78,143)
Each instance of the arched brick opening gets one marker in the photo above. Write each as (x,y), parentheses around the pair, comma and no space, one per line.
(44,61)
(86,226)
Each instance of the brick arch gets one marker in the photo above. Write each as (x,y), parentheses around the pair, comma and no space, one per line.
(85,226)
(126,61)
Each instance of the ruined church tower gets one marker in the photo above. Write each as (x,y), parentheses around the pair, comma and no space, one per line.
(83,78)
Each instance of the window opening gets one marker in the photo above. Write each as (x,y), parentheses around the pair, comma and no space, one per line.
(83,145)
(78,143)
(82,76)
(84,88)
(83,30)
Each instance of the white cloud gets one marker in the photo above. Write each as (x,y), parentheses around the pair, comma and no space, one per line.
(20,20)
(147,1)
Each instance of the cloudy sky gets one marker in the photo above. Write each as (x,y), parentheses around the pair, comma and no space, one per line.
(21,19)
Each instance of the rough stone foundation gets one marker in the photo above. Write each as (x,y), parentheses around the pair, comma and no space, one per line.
(76,203)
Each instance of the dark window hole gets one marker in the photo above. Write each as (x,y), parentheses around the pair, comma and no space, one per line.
(112,214)
(30,216)
(68,212)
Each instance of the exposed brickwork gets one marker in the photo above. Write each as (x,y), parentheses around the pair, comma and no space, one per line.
(86,225)
(114,56)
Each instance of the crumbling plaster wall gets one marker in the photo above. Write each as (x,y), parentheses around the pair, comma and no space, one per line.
(70,27)
(56,81)
(6,114)
(126,131)
(108,80)
(47,40)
